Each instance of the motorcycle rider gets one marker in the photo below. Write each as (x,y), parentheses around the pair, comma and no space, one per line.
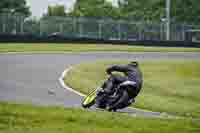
(131,73)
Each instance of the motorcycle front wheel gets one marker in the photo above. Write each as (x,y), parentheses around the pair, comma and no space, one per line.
(89,100)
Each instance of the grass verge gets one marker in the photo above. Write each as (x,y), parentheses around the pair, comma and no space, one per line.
(86,48)
(169,86)
(33,119)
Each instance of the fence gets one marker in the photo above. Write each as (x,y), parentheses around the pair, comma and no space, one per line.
(106,28)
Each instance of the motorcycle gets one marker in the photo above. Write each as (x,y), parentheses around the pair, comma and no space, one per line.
(99,98)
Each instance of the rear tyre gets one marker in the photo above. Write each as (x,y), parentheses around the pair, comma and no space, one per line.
(120,103)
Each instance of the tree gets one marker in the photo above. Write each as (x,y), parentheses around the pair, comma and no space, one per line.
(186,11)
(54,20)
(142,9)
(14,6)
(154,10)
(95,8)
(57,10)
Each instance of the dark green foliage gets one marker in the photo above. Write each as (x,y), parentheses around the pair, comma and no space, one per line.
(148,10)
(186,11)
(57,10)
(95,8)
(14,6)
(142,9)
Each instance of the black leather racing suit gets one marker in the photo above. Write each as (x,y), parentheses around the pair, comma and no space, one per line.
(132,73)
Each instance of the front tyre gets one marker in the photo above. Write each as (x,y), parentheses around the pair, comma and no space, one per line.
(89,100)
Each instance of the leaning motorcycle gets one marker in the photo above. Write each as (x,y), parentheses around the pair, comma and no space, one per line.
(99,98)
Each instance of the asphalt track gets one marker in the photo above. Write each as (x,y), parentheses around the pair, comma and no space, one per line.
(33,78)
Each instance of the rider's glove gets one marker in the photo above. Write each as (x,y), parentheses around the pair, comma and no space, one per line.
(108,71)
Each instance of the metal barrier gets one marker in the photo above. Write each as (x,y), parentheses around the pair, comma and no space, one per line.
(107,29)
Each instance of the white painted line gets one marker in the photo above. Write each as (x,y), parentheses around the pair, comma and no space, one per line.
(61,80)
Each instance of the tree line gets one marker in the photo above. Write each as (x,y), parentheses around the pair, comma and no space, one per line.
(183,11)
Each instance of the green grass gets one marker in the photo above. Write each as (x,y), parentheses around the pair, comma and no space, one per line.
(33,119)
(169,86)
(54,48)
